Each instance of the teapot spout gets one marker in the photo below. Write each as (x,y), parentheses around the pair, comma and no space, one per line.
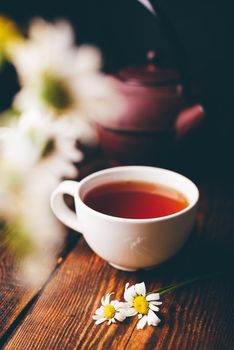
(189,119)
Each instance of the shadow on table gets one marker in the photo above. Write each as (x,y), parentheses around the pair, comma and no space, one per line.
(199,257)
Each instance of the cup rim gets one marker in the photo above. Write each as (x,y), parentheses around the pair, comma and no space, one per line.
(191,205)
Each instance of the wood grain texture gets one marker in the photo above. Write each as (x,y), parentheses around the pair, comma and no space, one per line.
(15,298)
(199,316)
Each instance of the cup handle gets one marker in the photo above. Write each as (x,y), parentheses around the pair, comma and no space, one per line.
(60,208)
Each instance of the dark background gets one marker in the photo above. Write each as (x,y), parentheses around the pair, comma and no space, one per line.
(195,36)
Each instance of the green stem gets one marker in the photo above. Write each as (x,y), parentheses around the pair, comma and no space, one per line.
(172,287)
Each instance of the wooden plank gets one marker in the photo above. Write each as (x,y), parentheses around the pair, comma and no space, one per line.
(196,317)
(15,298)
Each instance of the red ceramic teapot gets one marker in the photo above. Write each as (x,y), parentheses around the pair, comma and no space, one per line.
(158,113)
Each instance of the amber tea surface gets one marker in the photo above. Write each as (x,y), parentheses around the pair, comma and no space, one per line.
(135,200)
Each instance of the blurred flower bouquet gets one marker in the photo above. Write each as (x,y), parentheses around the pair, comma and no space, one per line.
(61,87)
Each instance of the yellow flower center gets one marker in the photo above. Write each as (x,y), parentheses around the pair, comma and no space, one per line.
(109,311)
(141,305)
(48,148)
(55,92)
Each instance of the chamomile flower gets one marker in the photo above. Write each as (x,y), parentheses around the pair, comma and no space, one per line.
(110,311)
(39,140)
(58,77)
(142,304)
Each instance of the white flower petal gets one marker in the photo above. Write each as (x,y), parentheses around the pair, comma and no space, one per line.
(141,324)
(129,293)
(156,302)
(97,317)
(100,311)
(123,305)
(139,316)
(109,322)
(59,33)
(117,304)
(100,320)
(106,300)
(153,307)
(126,285)
(140,288)
(120,316)
(153,296)
(88,59)
(130,312)
(153,319)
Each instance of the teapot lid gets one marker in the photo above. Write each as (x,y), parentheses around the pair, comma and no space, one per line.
(149,74)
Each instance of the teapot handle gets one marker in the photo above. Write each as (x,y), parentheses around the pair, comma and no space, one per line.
(188,119)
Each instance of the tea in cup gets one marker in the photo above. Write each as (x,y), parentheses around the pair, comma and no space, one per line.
(132,216)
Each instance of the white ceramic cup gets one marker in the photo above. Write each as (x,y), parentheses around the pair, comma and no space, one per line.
(128,244)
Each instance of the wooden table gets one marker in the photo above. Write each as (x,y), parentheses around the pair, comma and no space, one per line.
(198,316)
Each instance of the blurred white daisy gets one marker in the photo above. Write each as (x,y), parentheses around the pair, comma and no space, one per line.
(38,139)
(28,226)
(61,85)
(57,76)
(34,154)
(44,233)
(142,304)
(111,311)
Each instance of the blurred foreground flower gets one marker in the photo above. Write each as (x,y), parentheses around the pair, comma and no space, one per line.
(57,76)
(27,226)
(38,140)
(34,154)
(62,89)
